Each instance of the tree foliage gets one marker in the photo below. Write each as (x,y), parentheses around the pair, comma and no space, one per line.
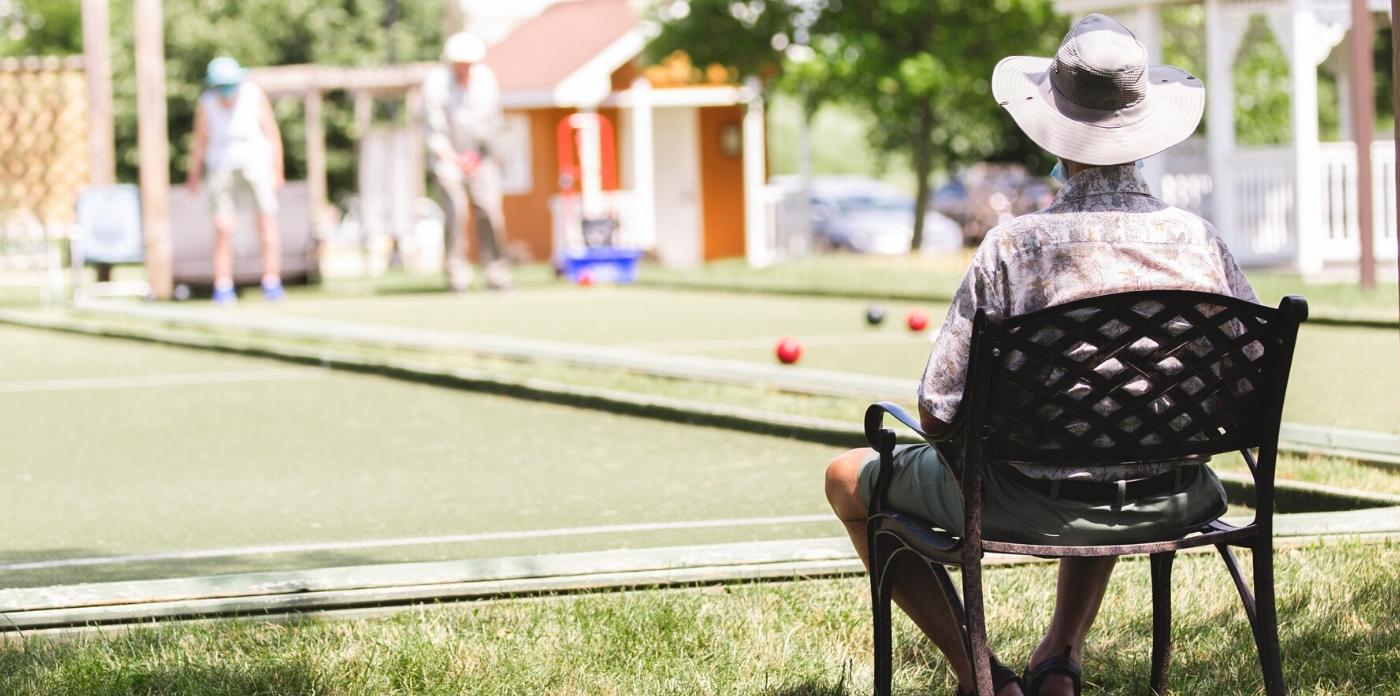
(256,32)
(922,68)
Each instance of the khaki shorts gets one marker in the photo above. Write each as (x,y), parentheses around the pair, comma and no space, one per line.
(227,184)
(924,486)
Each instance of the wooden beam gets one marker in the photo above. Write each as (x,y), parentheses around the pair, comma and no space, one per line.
(315,159)
(1363,113)
(285,80)
(153,144)
(97,68)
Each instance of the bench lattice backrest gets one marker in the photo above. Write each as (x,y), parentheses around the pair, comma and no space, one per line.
(1138,376)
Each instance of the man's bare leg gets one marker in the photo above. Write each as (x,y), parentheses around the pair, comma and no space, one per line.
(223,252)
(1078,595)
(271,240)
(456,207)
(915,589)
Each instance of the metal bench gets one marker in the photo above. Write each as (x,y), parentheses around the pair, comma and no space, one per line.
(1130,377)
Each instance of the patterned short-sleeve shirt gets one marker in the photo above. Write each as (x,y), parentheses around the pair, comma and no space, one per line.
(1104,233)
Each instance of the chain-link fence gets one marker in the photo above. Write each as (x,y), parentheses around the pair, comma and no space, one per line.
(43,157)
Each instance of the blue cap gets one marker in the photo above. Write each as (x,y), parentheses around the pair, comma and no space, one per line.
(223,71)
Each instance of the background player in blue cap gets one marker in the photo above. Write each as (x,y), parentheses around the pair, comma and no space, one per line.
(238,147)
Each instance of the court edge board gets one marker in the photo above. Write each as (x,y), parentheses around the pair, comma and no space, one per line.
(262,594)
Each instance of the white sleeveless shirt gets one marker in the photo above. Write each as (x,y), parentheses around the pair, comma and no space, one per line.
(236,139)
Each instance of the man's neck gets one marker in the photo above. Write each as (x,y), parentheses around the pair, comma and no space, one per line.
(1072,168)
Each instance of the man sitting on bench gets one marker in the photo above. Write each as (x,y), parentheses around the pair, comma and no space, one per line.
(1100,108)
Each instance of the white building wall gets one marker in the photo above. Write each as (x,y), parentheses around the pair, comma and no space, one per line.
(679,230)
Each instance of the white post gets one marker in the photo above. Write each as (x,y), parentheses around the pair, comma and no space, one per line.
(1222,40)
(643,164)
(756,248)
(1307,194)
(590,161)
(1147,25)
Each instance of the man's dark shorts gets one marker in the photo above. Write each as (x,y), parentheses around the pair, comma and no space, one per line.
(924,486)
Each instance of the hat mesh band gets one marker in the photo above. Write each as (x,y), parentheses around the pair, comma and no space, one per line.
(1092,89)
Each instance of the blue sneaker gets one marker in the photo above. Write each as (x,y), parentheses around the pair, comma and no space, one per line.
(225,296)
(273,291)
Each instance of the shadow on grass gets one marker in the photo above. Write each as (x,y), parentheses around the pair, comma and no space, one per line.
(812,688)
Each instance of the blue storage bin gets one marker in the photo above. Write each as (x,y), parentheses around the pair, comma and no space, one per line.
(603,264)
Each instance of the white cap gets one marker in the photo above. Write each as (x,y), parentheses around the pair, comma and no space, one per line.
(463,47)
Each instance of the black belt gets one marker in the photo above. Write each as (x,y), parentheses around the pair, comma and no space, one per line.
(1104,491)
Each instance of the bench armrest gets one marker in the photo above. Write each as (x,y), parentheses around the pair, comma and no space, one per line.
(875,420)
(882,440)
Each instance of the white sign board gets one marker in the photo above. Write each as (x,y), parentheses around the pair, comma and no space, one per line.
(513,149)
(109,218)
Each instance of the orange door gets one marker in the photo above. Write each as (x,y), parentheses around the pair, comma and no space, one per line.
(722,181)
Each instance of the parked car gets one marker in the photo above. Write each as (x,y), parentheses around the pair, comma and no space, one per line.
(867,216)
(987,194)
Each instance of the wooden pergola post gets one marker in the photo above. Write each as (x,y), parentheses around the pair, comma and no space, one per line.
(97,69)
(153,144)
(97,72)
(1363,113)
(315,159)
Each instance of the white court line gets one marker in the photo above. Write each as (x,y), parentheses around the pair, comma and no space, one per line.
(167,380)
(408,541)
(768,342)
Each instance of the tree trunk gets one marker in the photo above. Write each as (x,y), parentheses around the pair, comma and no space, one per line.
(923,169)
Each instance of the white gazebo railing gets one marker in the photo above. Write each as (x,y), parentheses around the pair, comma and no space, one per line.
(1343,236)
(1263,182)
(1261,230)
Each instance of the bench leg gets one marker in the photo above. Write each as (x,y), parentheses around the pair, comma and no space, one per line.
(1266,627)
(880,563)
(1161,620)
(979,652)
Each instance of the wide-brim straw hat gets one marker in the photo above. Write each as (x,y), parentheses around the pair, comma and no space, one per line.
(1098,101)
(463,47)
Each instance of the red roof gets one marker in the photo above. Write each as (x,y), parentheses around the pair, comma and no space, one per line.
(544,50)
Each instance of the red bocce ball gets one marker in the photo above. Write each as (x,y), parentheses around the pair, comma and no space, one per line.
(789,350)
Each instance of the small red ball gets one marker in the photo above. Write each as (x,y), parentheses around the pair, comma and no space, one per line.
(917,320)
(789,350)
(585,278)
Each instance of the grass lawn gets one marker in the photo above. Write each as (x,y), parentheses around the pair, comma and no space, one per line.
(1337,604)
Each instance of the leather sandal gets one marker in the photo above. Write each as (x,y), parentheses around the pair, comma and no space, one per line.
(1059,664)
(1001,676)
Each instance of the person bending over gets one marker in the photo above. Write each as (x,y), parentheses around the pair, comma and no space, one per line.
(238,147)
